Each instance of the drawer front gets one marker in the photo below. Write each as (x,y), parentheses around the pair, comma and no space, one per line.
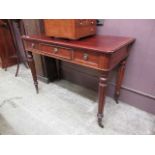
(85,27)
(85,31)
(32,45)
(57,51)
(86,58)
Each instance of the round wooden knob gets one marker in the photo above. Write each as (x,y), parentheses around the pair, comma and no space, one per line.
(55,50)
(92,22)
(85,56)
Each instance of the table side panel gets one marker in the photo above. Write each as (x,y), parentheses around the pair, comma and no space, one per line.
(118,56)
(104,61)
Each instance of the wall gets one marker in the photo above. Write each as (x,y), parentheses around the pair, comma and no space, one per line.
(140,72)
(139,82)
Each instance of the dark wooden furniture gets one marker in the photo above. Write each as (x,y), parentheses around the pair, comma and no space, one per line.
(8,55)
(70,28)
(102,53)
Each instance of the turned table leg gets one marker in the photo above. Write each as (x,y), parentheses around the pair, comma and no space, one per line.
(102,92)
(119,80)
(33,69)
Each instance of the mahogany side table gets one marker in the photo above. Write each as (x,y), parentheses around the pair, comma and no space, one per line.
(99,52)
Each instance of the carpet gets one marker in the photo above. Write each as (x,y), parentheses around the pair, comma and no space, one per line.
(62,108)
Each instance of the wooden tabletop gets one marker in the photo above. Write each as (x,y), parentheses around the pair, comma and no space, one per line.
(100,43)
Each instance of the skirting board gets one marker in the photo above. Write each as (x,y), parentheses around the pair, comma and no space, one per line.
(130,96)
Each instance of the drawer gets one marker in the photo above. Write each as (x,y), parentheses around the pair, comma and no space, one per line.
(86,58)
(82,31)
(57,51)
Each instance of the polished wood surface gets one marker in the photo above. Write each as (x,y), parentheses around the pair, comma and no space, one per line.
(102,53)
(70,28)
(100,43)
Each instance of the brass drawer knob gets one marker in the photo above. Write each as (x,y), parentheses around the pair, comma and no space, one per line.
(55,50)
(85,56)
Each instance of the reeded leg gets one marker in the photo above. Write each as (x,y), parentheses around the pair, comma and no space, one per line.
(33,70)
(119,80)
(102,92)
